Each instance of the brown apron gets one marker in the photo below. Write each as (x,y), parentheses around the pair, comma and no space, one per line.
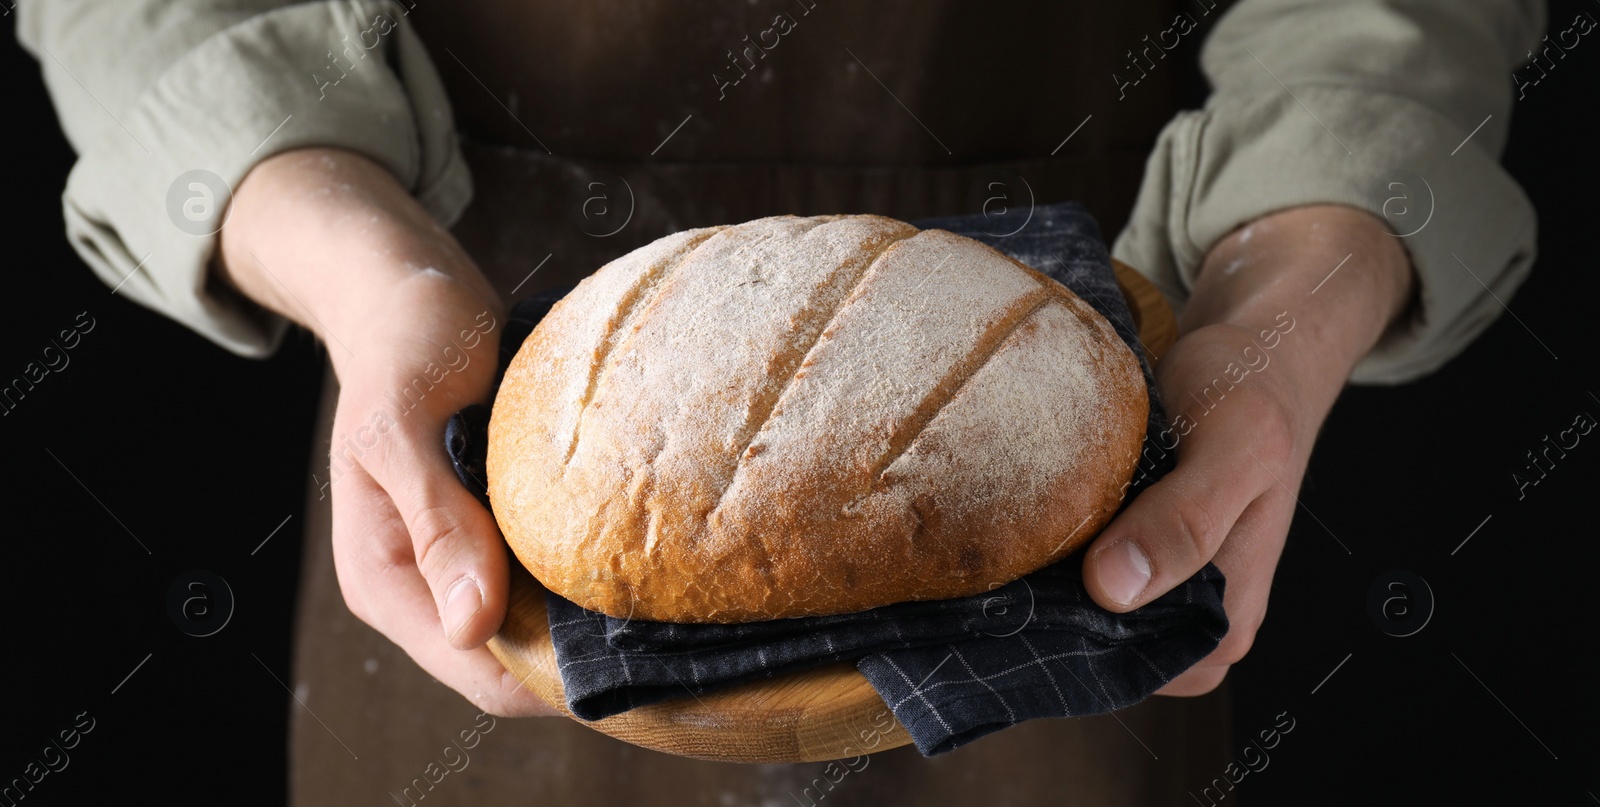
(593,128)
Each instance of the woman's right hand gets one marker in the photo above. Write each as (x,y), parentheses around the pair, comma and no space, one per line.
(332,241)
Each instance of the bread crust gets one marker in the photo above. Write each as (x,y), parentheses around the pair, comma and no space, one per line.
(804,416)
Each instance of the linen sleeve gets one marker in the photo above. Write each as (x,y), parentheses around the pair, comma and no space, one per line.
(1317,102)
(169,104)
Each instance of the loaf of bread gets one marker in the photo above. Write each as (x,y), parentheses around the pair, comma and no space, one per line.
(806,416)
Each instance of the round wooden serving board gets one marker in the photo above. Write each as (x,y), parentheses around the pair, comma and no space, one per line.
(811,716)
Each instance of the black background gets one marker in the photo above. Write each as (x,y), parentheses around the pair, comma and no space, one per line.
(201,454)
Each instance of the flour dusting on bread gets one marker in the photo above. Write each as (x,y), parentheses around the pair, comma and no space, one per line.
(799,416)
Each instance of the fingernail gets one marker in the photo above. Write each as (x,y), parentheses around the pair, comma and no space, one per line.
(460,603)
(1124,572)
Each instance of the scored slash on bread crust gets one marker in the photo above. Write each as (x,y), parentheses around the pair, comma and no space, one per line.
(803,416)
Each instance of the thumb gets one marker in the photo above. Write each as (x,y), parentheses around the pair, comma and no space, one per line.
(1173,528)
(457,544)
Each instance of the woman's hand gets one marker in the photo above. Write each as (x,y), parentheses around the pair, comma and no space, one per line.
(334,242)
(1277,320)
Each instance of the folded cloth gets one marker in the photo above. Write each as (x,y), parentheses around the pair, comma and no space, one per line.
(951,670)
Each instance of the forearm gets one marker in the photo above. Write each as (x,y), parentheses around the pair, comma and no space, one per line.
(327,237)
(1410,98)
(1334,273)
(167,71)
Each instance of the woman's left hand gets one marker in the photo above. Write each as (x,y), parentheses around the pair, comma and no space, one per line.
(1280,314)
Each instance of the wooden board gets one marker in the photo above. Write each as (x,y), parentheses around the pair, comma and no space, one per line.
(1153,318)
(811,716)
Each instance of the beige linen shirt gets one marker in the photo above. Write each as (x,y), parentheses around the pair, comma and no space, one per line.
(168,104)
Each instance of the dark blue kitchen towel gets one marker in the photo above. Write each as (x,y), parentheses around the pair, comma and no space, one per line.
(951,670)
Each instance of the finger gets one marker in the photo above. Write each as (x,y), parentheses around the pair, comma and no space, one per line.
(455,542)
(1195,681)
(1175,526)
(1247,559)
(373,558)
